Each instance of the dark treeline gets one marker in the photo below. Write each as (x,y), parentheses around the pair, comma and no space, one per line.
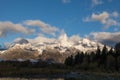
(101,60)
(29,69)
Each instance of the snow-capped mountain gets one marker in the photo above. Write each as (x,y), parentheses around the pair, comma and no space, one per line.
(63,46)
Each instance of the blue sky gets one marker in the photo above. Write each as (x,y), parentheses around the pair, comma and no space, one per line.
(76,17)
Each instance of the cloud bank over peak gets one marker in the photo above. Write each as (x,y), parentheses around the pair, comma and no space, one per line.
(62,38)
(41,40)
(106,37)
(109,38)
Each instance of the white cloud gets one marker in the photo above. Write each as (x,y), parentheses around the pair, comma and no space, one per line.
(66,1)
(75,38)
(9,27)
(46,28)
(104,18)
(111,22)
(110,0)
(62,39)
(41,40)
(100,17)
(106,37)
(115,14)
(96,2)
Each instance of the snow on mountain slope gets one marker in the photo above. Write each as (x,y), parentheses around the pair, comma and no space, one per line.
(86,45)
(63,40)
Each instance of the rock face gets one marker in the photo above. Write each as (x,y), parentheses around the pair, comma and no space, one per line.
(56,50)
(52,55)
(19,54)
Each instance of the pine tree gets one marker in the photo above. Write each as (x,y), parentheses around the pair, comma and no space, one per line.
(79,58)
(88,59)
(104,56)
(111,52)
(69,61)
(98,56)
(117,54)
(117,48)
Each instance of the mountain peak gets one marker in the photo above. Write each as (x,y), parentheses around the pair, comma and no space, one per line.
(21,41)
(63,40)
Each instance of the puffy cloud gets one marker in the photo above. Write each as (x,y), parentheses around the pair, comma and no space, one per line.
(105,18)
(108,38)
(111,22)
(66,1)
(100,17)
(75,38)
(96,2)
(9,27)
(46,28)
(41,40)
(62,39)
